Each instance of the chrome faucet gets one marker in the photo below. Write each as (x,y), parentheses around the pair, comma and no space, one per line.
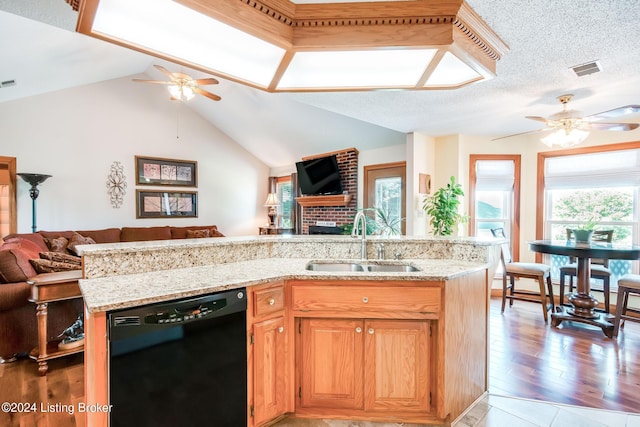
(361,217)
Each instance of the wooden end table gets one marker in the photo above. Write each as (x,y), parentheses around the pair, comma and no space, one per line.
(46,288)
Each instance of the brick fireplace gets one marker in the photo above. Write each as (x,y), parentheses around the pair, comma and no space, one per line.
(341,215)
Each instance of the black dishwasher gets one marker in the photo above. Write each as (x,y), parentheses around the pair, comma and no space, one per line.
(180,363)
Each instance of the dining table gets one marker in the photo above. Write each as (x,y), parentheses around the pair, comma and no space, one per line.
(582,303)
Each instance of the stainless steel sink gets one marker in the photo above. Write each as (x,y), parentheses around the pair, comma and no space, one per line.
(334,266)
(390,268)
(353,266)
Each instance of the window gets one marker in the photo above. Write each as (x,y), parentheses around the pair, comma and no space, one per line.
(600,184)
(494,193)
(284,190)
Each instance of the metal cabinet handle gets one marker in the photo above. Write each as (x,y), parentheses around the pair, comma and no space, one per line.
(371,331)
(281,329)
(358,329)
(365,300)
(272,301)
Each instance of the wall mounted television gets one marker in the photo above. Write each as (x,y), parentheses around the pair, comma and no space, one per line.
(319,176)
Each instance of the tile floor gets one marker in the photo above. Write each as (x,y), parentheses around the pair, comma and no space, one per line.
(499,411)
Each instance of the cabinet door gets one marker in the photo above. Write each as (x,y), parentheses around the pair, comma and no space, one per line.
(331,363)
(270,376)
(397,365)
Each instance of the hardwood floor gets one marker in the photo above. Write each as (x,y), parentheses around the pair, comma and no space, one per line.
(574,364)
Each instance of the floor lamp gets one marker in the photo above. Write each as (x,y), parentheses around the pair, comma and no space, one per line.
(34,179)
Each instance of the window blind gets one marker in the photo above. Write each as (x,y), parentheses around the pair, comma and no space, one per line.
(607,169)
(495,175)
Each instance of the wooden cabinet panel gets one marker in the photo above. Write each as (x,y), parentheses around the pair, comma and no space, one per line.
(331,363)
(384,299)
(267,301)
(271,379)
(397,365)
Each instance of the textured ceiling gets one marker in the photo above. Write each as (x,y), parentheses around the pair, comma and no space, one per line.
(545,37)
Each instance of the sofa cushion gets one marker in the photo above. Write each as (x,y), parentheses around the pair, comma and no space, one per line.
(57,244)
(77,240)
(61,257)
(181,232)
(53,234)
(14,260)
(139,234)
(108,235)
(198,234)
(49,266)
(34,237)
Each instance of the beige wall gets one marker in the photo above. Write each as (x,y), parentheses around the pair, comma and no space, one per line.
(76,134)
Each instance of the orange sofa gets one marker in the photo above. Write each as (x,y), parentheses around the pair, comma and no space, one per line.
(18,325)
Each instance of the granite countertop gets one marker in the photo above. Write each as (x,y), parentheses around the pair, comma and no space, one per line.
(131,290)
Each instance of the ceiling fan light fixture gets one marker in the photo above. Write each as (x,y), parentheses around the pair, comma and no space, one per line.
(565,138)
(181,92)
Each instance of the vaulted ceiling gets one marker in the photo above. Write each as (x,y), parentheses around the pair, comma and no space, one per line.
(42,53)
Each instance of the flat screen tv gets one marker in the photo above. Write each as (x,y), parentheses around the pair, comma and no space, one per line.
(319,176)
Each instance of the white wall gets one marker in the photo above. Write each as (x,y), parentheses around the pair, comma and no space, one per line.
(421,159)
(76,134)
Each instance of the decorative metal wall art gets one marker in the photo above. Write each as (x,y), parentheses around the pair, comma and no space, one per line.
(116,184)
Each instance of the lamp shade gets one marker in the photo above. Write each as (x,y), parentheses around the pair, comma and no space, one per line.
(562,138)
(272,200)
(34,179)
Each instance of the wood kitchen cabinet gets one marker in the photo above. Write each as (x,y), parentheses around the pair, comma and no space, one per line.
(330,363)
(270,358)
(371,365)
(390,351)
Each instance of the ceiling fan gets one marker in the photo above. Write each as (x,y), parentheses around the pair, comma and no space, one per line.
(570,122)
(182,86)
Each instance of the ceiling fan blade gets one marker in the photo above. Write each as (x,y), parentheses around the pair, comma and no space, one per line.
(537,118)
(616,112)
(153,81)
(207,94)
(609,126)
(165,72)
(522,133)
(207,81)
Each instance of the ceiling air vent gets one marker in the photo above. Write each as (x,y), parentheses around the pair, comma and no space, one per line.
(587,68)
(8,83)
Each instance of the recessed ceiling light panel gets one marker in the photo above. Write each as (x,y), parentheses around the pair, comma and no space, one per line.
(451,71)
(370,68)
(167,27)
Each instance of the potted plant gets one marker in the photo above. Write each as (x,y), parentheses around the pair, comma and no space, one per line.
(584,231)
(383,223)
(442,207)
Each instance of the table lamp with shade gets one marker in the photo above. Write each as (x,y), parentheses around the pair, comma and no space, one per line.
(271,202)
(34,179)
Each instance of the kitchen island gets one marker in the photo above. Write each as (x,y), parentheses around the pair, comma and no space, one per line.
(436,317)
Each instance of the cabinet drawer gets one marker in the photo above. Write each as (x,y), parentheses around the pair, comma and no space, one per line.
(268,301)
(369,298)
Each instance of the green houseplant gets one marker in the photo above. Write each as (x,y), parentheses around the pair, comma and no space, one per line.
(442,207)
(584,231)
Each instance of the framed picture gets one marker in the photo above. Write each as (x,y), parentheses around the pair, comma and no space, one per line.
(166,204)
(155,171)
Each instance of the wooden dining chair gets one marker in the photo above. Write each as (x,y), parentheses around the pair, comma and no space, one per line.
(628,284)
(599,268)
(517,270)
